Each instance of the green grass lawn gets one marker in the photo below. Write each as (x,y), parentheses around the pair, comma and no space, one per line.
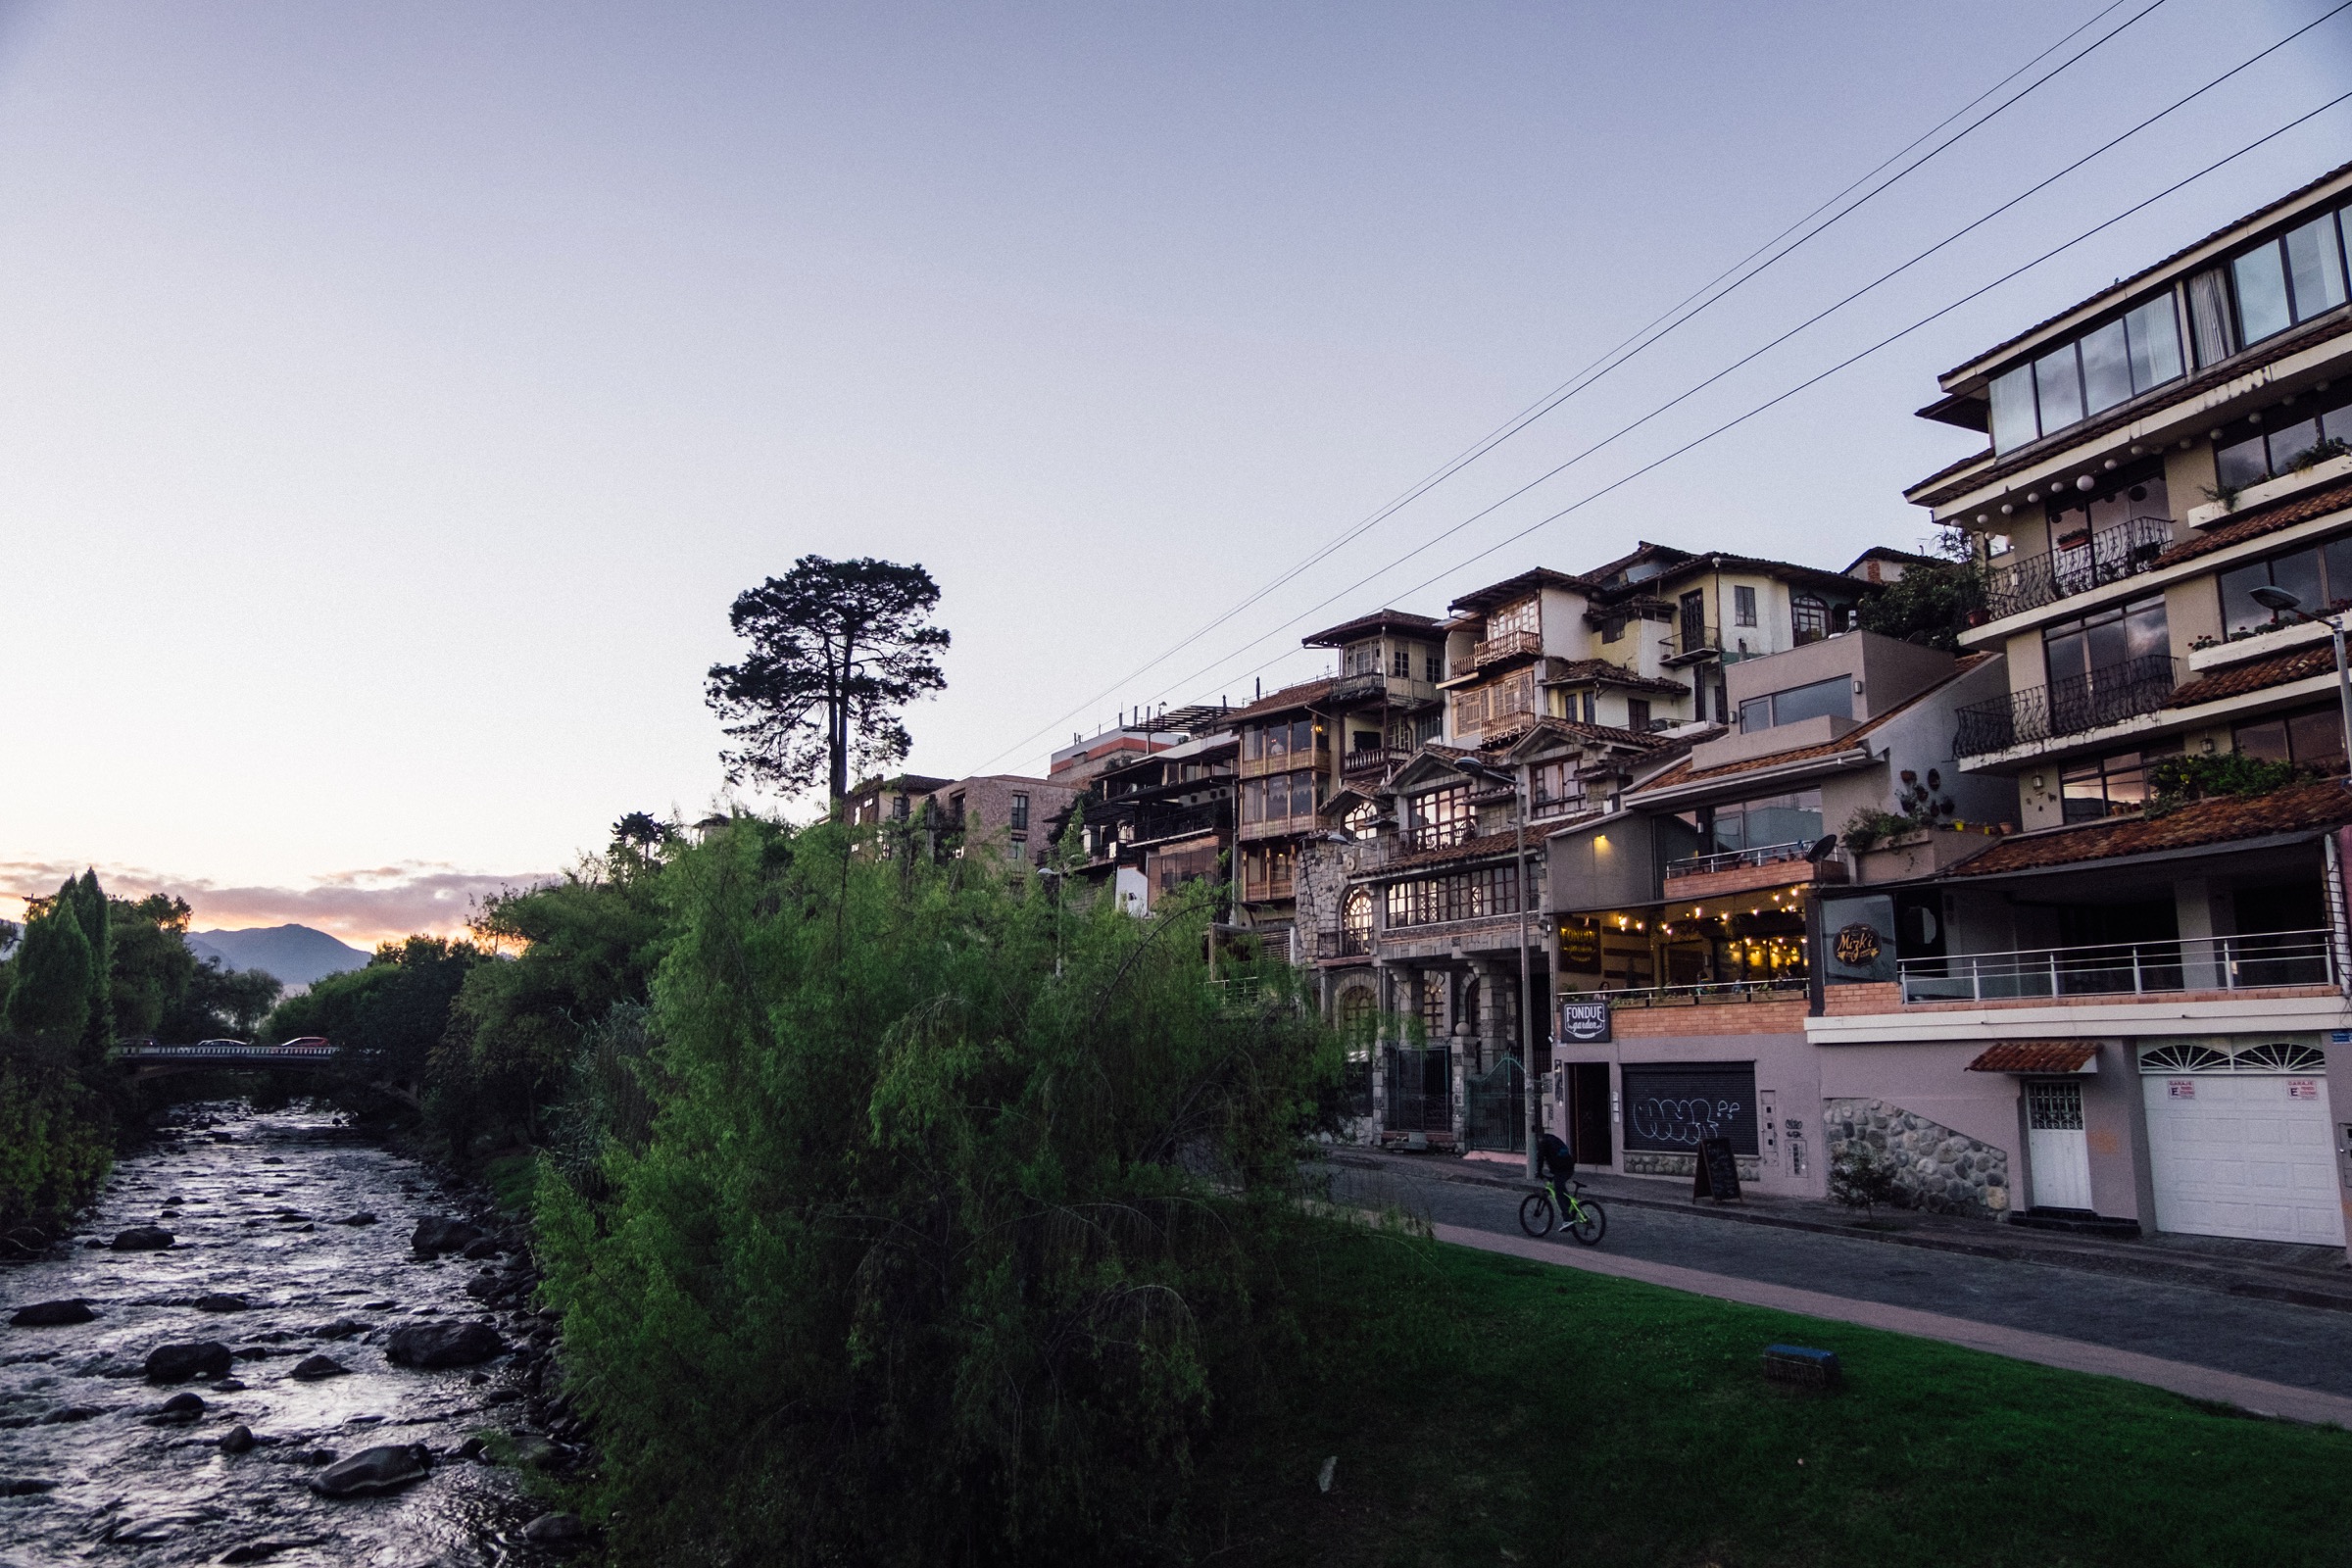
(1487,1410)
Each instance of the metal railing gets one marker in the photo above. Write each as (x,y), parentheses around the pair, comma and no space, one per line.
(1510,645)
(2254,962)
(1341,944)
(1695,995)
(1691,640)
(1726,860)
(223,1053)
(2109,554)
(2105,696)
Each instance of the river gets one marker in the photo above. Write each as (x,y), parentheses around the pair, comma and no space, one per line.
(254,1201)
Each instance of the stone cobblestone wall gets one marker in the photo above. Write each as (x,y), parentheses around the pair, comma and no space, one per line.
(1936,1168)
(1647,1163)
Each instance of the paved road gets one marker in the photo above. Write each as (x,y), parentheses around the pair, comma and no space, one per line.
(2301,1346)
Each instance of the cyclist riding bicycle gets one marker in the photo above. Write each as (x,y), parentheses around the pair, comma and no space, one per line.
(1556,1161)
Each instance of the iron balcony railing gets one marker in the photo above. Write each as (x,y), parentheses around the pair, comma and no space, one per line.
(2254,962)
(1692,641)
(1343,944)
(2109,554)
(2105,696)
(1726,860)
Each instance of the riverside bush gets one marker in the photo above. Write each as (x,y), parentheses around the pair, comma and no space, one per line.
(963,1207)
(56,1145)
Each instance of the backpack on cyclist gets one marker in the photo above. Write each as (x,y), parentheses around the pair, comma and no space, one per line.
(1554,1158)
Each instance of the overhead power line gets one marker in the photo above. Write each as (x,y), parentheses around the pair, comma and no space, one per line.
(1643,338)
(1812,321)
(1783,396)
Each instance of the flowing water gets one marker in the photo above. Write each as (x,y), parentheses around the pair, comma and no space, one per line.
(89,1472)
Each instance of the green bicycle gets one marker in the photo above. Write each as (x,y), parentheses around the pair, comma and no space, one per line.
(1581,1219)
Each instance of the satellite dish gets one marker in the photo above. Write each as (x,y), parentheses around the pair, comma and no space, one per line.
(1821,849)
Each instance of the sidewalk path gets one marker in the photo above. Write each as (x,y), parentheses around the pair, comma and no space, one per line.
(2197,1382)
(2195,1327)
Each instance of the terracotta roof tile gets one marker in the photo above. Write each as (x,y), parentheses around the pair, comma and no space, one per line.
(2259,521)
(2298,807)
(1378,620)
(2256,675)
(2034,1055)
(1302,694)
(1603,673)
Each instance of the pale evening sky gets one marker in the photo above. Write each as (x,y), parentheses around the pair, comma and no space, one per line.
(397,395)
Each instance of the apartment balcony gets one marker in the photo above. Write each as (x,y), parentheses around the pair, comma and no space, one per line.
(2260,961)
(1692,643)
(1361,688)
(1371,764)
(1280,827)
(1768,865)
(1286,762)
(1258,888)
(1785,987)
(1510,645)
(1343,944)
(2071,706)
(2093,560)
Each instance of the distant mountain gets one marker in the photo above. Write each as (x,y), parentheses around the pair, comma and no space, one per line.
(295,954)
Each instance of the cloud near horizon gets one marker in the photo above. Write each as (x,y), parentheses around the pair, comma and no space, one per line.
(361,907)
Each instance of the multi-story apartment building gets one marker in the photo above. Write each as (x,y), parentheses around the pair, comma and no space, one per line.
(1004,815)
(2135,1012)
(1687,908)
(1384,699)
(1158,820)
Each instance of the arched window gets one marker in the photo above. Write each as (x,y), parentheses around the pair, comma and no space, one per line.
(1356,1010)
(1810,615)
(1356,922)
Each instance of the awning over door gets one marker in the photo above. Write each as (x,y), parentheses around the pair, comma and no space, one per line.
(2038,1056)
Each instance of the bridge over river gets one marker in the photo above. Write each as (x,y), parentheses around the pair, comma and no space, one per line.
(145,1060)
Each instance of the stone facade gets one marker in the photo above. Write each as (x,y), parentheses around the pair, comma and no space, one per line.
(1937,1169)
(1648,1163)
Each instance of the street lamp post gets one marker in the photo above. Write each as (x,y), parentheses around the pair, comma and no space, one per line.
(2289,604)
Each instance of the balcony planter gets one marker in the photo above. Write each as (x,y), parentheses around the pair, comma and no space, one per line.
(1923,851)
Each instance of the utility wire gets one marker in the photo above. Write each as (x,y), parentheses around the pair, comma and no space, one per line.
(1782,397)
(1671,319)
(1820,316)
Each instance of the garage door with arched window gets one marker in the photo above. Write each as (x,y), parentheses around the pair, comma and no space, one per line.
(2239,1140)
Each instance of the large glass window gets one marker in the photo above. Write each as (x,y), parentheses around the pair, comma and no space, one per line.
(2262,305)
(1771,819)
(1835,697)
(2268,454)
(1520,616)
(1809,618)
(2109,641)
(2315,268)
(1361,658)
(1440,817)
(2105,366)
(2312,738)
(2104,786)
(2320,576)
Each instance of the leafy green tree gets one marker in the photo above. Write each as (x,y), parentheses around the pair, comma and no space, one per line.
(151,966)
(838,647)
(1932,603)
(936,1251)
(50,1001)
(89,905)
(582,947)
(395,1009)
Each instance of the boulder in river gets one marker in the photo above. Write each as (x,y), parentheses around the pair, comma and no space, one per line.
(222,1301)
(237,1439)
(180,1407)
(487,1246)
(52,1314)
(316,1368)
(561,1531)
(362,1217)
(177,1363)
(374,1472)
(24,1485)
(442,1345)
(142,1238)
(442,1234)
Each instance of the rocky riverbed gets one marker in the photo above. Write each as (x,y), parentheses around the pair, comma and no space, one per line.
(273,1340)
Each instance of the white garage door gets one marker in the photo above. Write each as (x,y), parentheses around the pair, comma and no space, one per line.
(2244,1153)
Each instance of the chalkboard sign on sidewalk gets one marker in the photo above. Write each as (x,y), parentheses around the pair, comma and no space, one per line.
(1718,1175)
